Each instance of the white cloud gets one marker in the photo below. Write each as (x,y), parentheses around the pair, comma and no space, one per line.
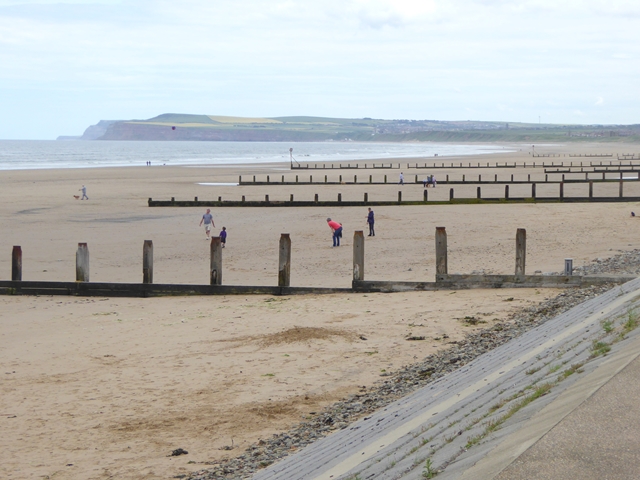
(599,101)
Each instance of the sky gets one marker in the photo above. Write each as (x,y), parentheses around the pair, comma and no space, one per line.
(65,65)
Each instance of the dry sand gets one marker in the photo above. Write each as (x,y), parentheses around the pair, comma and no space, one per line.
(106,388)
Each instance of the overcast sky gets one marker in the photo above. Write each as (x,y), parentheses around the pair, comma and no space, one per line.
(67,64)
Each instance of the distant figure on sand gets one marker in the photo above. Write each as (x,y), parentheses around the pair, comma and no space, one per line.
(430,180)
(401,182)
(207,219)
(223,236)
(84,192)
(336,228)
(371,221)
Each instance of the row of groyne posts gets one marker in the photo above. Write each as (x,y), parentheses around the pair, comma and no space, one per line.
(443,279)
(452,164)
(447,180)
(425,198)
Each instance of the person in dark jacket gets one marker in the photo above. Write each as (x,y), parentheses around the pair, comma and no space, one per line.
(371,221)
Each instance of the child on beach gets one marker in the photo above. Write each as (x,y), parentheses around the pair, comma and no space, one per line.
(223,236)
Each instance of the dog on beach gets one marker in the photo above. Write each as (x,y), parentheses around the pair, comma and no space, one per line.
(77,197)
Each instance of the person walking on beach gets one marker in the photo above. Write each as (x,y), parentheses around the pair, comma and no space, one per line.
(401,182)
(370,221)
(207,219)
(336,228)
(84,192)
(223,236)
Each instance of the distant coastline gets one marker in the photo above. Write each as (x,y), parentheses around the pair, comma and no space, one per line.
(187,127)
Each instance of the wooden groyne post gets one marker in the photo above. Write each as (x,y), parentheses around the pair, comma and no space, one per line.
(82,263)
(215,268)
(16,264)
(147,262)
(568,266)
(441,251)
(358,255)
(521,251)
(284,262)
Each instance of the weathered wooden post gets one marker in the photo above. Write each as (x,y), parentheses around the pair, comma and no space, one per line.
(219,199)
(478,193)
(147,262)
(385,179)
(533,190)
(450,194)
(355,179)
(240,179)
(366,197)
(591,189)
(340,179)
(243,199)
(215,265)
(266,198)
(296,178)
(254,179)
(521,251)
(310,178)
(620,189)
(463,180)
(426,195)
(291,198)
(284,263)
(441,251)
(339,197)
(561,190)
(495,179)
(267,178)
(82,263)
(358,255)
(399,197)
(325,179)
(371,178)
(195,199)
(506,192)
(282,179)
(16,264)
(479,178)
(568,266)
(316,198)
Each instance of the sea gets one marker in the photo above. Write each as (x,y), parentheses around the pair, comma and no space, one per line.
(55,154)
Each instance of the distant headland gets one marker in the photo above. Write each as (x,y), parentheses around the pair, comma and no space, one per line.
(181,127)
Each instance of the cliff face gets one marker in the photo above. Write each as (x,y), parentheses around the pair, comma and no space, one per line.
(94,132)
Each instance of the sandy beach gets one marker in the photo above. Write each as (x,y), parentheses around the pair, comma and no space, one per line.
(98,388)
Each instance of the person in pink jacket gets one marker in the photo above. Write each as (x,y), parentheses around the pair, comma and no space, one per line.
(336,228)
